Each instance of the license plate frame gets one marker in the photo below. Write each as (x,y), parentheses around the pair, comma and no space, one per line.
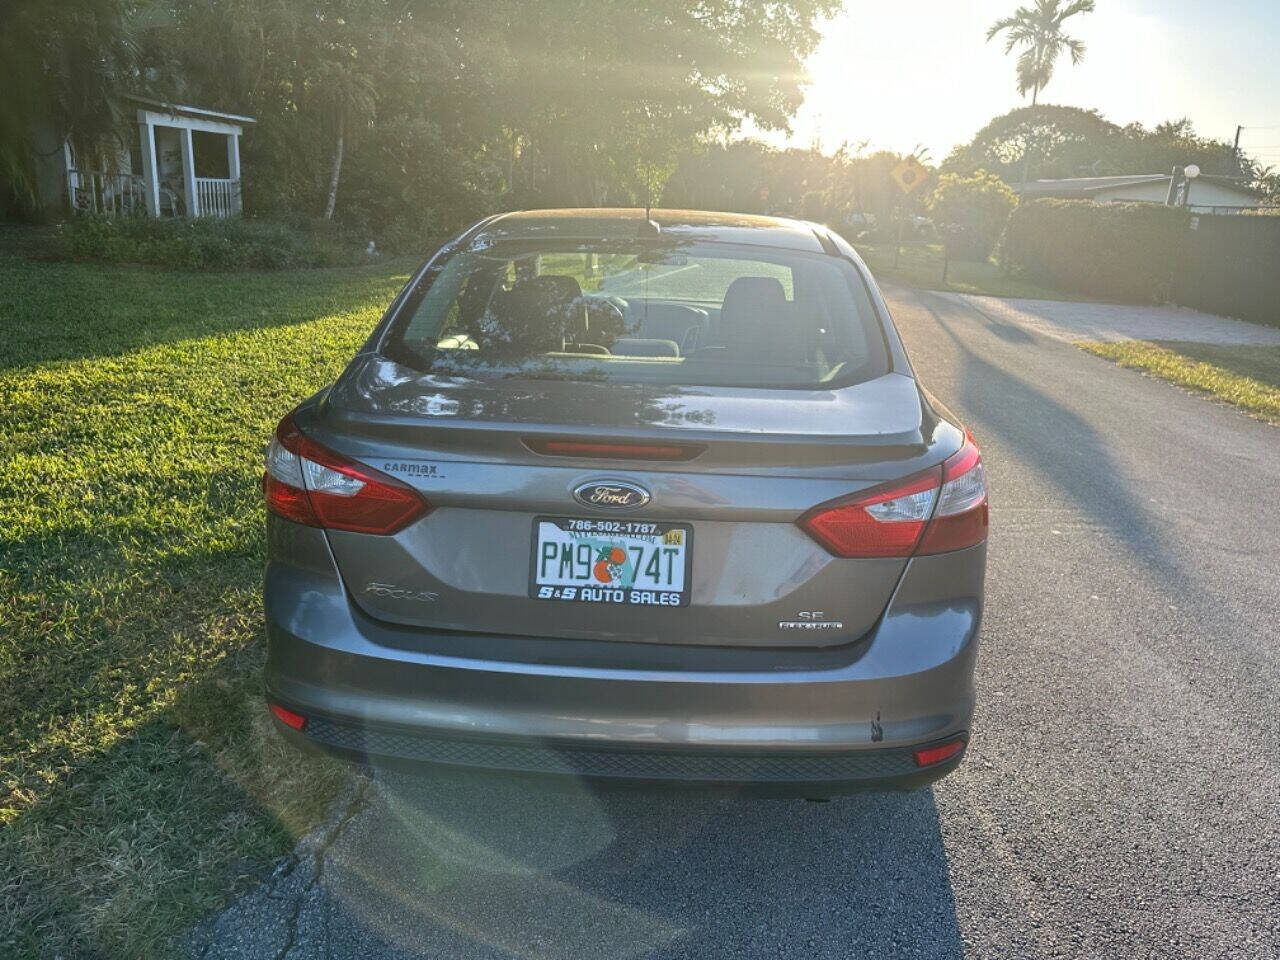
(595,529)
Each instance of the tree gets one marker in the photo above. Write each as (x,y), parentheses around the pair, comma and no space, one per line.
(63,67)
(605,95)
(971,212)
(464,106)
(1071,142)
(1038,30)
(390,100)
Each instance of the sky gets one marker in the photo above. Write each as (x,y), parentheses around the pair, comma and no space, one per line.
(921,72)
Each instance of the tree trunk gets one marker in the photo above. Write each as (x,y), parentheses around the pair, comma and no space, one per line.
(335,173)
(1026,152)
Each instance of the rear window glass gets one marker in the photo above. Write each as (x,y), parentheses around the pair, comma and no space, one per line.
(642,312)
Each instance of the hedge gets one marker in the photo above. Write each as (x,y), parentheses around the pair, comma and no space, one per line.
(971,213)
(1115,251)
(233,244)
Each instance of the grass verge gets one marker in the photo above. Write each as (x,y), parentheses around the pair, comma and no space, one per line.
(920,265)
(140,786)
(1248,377)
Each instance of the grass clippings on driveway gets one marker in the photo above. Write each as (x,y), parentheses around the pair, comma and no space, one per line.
(139,781)
(1248,377)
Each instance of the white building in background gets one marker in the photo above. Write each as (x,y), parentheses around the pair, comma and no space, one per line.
(178,161)
(1204,194)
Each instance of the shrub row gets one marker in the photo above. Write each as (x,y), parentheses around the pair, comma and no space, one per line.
(1118,251)
(232,244)
(971,213)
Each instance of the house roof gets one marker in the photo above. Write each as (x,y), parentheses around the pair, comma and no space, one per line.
(1089,186)
(186,110)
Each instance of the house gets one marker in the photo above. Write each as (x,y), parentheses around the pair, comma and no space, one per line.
(176,160)
(1204,194)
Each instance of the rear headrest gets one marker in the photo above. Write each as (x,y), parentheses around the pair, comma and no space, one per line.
(539,313)
(547,292)
(669,321)
(753,316)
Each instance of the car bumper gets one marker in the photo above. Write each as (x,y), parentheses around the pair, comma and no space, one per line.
(827,719)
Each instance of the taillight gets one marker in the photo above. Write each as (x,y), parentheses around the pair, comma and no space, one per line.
(893,520)
(611,450)
(311,484)
(886,521)
(960,519)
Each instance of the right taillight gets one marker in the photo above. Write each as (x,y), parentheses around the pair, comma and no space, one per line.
(308,483)
(960,519)
(935,511)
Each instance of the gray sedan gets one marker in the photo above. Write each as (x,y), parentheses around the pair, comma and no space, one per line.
(637,497)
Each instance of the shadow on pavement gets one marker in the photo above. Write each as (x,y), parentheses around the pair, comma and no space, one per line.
(1065,449)
(474,865)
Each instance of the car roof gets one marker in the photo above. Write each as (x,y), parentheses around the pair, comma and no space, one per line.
(625,222)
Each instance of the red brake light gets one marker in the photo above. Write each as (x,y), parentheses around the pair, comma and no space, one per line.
(960,519)
(886,521)
(928,756)
(288,717)
(612,450)
(935,511)
(311,484)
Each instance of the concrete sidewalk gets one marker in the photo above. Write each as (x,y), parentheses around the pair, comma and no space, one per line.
(1065,320)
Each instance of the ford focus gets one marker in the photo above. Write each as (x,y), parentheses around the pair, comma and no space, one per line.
(642,497)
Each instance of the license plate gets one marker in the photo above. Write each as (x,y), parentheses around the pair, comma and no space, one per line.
(634,562)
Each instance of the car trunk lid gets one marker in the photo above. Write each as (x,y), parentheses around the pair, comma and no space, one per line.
(747,464)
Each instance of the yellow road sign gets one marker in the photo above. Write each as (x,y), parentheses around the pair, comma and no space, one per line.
(909,174)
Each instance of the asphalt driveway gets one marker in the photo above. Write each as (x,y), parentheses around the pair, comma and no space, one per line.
(1106,322)
(1121,797)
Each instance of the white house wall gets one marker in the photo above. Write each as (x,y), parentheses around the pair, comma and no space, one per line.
(1204,193)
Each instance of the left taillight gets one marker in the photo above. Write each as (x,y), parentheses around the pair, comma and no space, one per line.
(310,484)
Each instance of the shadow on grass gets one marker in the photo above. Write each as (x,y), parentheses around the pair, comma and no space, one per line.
(54,311)
(136,783)
(142,785)
(135,842)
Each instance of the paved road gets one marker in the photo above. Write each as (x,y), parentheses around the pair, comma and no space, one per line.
(1119,800)
(1066,320)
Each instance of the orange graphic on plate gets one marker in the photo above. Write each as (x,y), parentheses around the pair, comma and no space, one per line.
(608,557)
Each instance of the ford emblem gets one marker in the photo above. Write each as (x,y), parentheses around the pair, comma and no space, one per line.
(615,494)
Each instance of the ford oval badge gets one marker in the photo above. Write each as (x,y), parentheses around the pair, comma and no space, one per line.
(614,494)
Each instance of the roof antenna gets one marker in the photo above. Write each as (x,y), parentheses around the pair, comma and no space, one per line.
(649,228)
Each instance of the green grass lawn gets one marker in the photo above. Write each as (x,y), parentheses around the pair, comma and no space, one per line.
(920,265)
(139,782)
(1248,377)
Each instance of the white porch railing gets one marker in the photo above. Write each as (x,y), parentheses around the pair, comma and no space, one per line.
(109,193)
(123,193)
(217,197)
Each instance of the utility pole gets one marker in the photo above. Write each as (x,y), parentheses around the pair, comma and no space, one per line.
(1236,150)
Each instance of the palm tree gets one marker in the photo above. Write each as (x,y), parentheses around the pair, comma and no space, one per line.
(1039,30)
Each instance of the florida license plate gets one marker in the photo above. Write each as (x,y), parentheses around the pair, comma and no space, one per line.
(634,562)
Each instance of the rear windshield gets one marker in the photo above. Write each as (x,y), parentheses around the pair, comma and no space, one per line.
(663,312)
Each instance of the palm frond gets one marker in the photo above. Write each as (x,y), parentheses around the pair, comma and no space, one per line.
(1038,32)
(1072,9)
